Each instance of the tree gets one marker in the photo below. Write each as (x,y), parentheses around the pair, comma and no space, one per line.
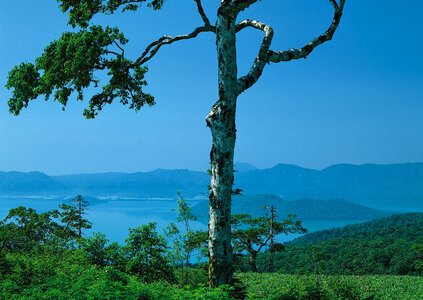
(417,249)
(74,216)
(184,243)
(252,234)
(24,229)
(68,65)
(145,252)
(96,251)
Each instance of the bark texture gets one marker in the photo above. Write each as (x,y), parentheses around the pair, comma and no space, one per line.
(221,121)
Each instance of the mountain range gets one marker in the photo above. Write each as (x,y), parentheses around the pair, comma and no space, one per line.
(380,186)
(304,209)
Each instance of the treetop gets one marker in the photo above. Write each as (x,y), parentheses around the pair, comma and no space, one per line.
(82,11)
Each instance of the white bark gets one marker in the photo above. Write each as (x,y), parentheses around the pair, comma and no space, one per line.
(221,121)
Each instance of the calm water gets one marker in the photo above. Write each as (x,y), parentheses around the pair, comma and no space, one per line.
(114,216)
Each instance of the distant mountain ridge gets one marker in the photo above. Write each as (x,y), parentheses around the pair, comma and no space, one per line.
(380,186)
(32,183)
(304,209)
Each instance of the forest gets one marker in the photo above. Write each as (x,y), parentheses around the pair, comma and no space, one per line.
(48,256)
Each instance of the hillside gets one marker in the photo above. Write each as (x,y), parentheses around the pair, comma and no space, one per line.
(404,226)
(305,209)
(381,246)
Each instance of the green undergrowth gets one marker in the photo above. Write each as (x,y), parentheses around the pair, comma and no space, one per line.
(281,286)
(77,282)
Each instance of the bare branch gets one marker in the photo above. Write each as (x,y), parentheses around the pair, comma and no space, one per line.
(113,52)
(278,56)
(154,47)
(121,49)
(262,58)
(202,13)
(334,4)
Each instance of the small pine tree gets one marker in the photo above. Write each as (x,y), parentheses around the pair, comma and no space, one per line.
(73,216)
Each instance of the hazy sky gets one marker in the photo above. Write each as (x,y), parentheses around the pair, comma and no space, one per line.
(356,99)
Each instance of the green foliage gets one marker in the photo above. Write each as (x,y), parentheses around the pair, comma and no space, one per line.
(24,229)
(96,251)
(73,216)
(252,234)
(191,277)
(145,251)
(361,249)
(68,65)
(82,11)
(279,286)
(49,269)
(417,249)
(53,231)
(184,244)
(407,226)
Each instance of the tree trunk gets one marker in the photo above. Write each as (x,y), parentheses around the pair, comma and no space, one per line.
(252,262)
(221,121)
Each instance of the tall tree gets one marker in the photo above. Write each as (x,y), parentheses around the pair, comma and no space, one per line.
(68,65)
(73,216)
(252,234)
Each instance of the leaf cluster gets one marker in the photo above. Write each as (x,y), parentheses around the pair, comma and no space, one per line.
(82,11)
(68,65)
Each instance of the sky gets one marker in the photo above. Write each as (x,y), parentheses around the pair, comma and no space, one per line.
(356,99)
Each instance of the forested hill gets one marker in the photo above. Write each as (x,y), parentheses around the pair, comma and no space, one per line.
(384,246)
(305,209)
(407,226)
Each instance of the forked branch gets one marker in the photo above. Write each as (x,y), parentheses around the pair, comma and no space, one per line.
(278,56)
(266,56)
(262,58)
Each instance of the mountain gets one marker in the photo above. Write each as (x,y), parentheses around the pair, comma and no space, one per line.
(305,209)
(156,184)
(29,184)
(244,167)
(371,185)
(387,187)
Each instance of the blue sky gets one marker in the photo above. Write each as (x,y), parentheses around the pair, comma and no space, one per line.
(356,99)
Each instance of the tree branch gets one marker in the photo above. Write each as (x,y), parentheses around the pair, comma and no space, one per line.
(278,56)
(154,47)
(202,13)
(262,58)
(263,244)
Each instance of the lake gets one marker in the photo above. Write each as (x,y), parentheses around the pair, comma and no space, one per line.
(115,215)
